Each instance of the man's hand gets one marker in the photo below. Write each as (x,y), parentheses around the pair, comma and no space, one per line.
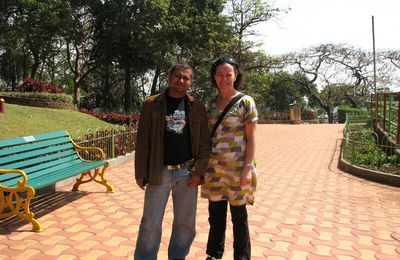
(194,181)
(141,183)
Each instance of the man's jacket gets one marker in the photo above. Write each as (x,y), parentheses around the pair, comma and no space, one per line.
(149,150)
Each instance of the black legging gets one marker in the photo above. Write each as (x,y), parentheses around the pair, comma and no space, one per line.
(216,237)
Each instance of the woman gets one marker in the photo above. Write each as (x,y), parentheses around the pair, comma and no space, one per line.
(231,176)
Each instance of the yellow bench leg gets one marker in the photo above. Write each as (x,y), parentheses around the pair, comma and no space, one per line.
(16,207)
(93,177)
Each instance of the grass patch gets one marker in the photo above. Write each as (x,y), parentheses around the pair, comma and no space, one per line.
(20,121)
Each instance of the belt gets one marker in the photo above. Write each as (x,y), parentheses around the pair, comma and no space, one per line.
(178,166)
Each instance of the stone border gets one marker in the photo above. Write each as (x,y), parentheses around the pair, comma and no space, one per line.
(372,175)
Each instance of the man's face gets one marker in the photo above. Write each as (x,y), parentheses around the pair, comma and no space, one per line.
(179,82)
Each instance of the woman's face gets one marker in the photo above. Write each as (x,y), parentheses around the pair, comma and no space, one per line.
(225,76)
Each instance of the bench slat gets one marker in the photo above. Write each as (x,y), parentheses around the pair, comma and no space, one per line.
(39,172)
(7,162)
(35,161)
(49,165)
(33,146)
(39,137)
(42,166)
(67,173)
(43,178)
(52,164)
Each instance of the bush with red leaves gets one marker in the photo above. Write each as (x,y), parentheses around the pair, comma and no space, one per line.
(308,114)
(33,85)
(113,118)
(275,116)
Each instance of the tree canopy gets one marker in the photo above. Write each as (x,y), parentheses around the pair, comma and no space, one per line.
(111,55)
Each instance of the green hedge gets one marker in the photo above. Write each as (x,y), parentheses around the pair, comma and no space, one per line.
(38,95)
(343,110)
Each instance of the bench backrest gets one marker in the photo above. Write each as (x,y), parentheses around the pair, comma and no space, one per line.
(35,153)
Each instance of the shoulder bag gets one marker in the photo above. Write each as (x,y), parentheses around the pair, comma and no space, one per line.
(226,109)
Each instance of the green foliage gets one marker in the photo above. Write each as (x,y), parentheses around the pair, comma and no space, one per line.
(344,110)
(115,53)
(38,95)
(364,150)
(274,92)
(23,121)
(347,109)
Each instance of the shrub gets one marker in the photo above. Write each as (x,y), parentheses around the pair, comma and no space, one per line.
(275,116)
(113,118)
(112,141)
(344,110)
(366,152)
(32,85)
(35,95)
(308,114)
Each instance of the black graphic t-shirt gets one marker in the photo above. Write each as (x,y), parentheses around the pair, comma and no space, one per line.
(177,144)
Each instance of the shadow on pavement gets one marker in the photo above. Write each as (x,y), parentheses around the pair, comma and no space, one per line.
(41,205)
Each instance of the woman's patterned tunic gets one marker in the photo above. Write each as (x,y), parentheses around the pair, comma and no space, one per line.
(222,180)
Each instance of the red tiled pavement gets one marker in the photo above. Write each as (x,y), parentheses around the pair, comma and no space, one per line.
(305,209)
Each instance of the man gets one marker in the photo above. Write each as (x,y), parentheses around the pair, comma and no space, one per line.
(172,152)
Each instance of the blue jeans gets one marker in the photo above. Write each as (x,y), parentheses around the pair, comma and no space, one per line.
(183,229)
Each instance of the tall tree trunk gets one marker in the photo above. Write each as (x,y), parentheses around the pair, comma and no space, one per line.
(128,88)
(35,66)
(77,91)
(155,80)
(106,87)
(77,83)
(13,70)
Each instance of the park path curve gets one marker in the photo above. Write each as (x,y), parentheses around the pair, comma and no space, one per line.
(305,208)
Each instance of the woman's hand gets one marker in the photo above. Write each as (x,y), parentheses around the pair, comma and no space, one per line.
(245,178)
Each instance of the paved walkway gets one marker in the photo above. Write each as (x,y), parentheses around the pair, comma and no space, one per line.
(305,209)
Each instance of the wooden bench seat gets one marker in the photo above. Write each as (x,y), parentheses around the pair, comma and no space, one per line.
(33,162)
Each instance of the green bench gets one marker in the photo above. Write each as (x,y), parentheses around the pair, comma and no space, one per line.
(34,162)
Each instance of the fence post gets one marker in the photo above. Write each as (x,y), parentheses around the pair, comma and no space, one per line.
(390,112)
(376,108)
(2,106)
(384,112)
(398,118)
(113,142)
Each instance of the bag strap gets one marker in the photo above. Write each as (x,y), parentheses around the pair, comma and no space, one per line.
(226,109)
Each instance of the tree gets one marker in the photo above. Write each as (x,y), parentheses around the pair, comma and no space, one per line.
(328,66)
(243,15)
(39,24)
(77,37)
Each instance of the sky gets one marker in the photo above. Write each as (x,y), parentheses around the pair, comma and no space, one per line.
(313,22)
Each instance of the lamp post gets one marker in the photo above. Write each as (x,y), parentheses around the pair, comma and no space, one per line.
(374,60)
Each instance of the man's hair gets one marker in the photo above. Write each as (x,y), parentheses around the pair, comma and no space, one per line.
(179,66)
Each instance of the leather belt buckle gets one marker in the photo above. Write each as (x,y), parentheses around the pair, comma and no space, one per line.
(179,166)
(174,167)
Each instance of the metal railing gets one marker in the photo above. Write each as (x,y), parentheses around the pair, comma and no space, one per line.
(386,112)
(362,146)
(114,142)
